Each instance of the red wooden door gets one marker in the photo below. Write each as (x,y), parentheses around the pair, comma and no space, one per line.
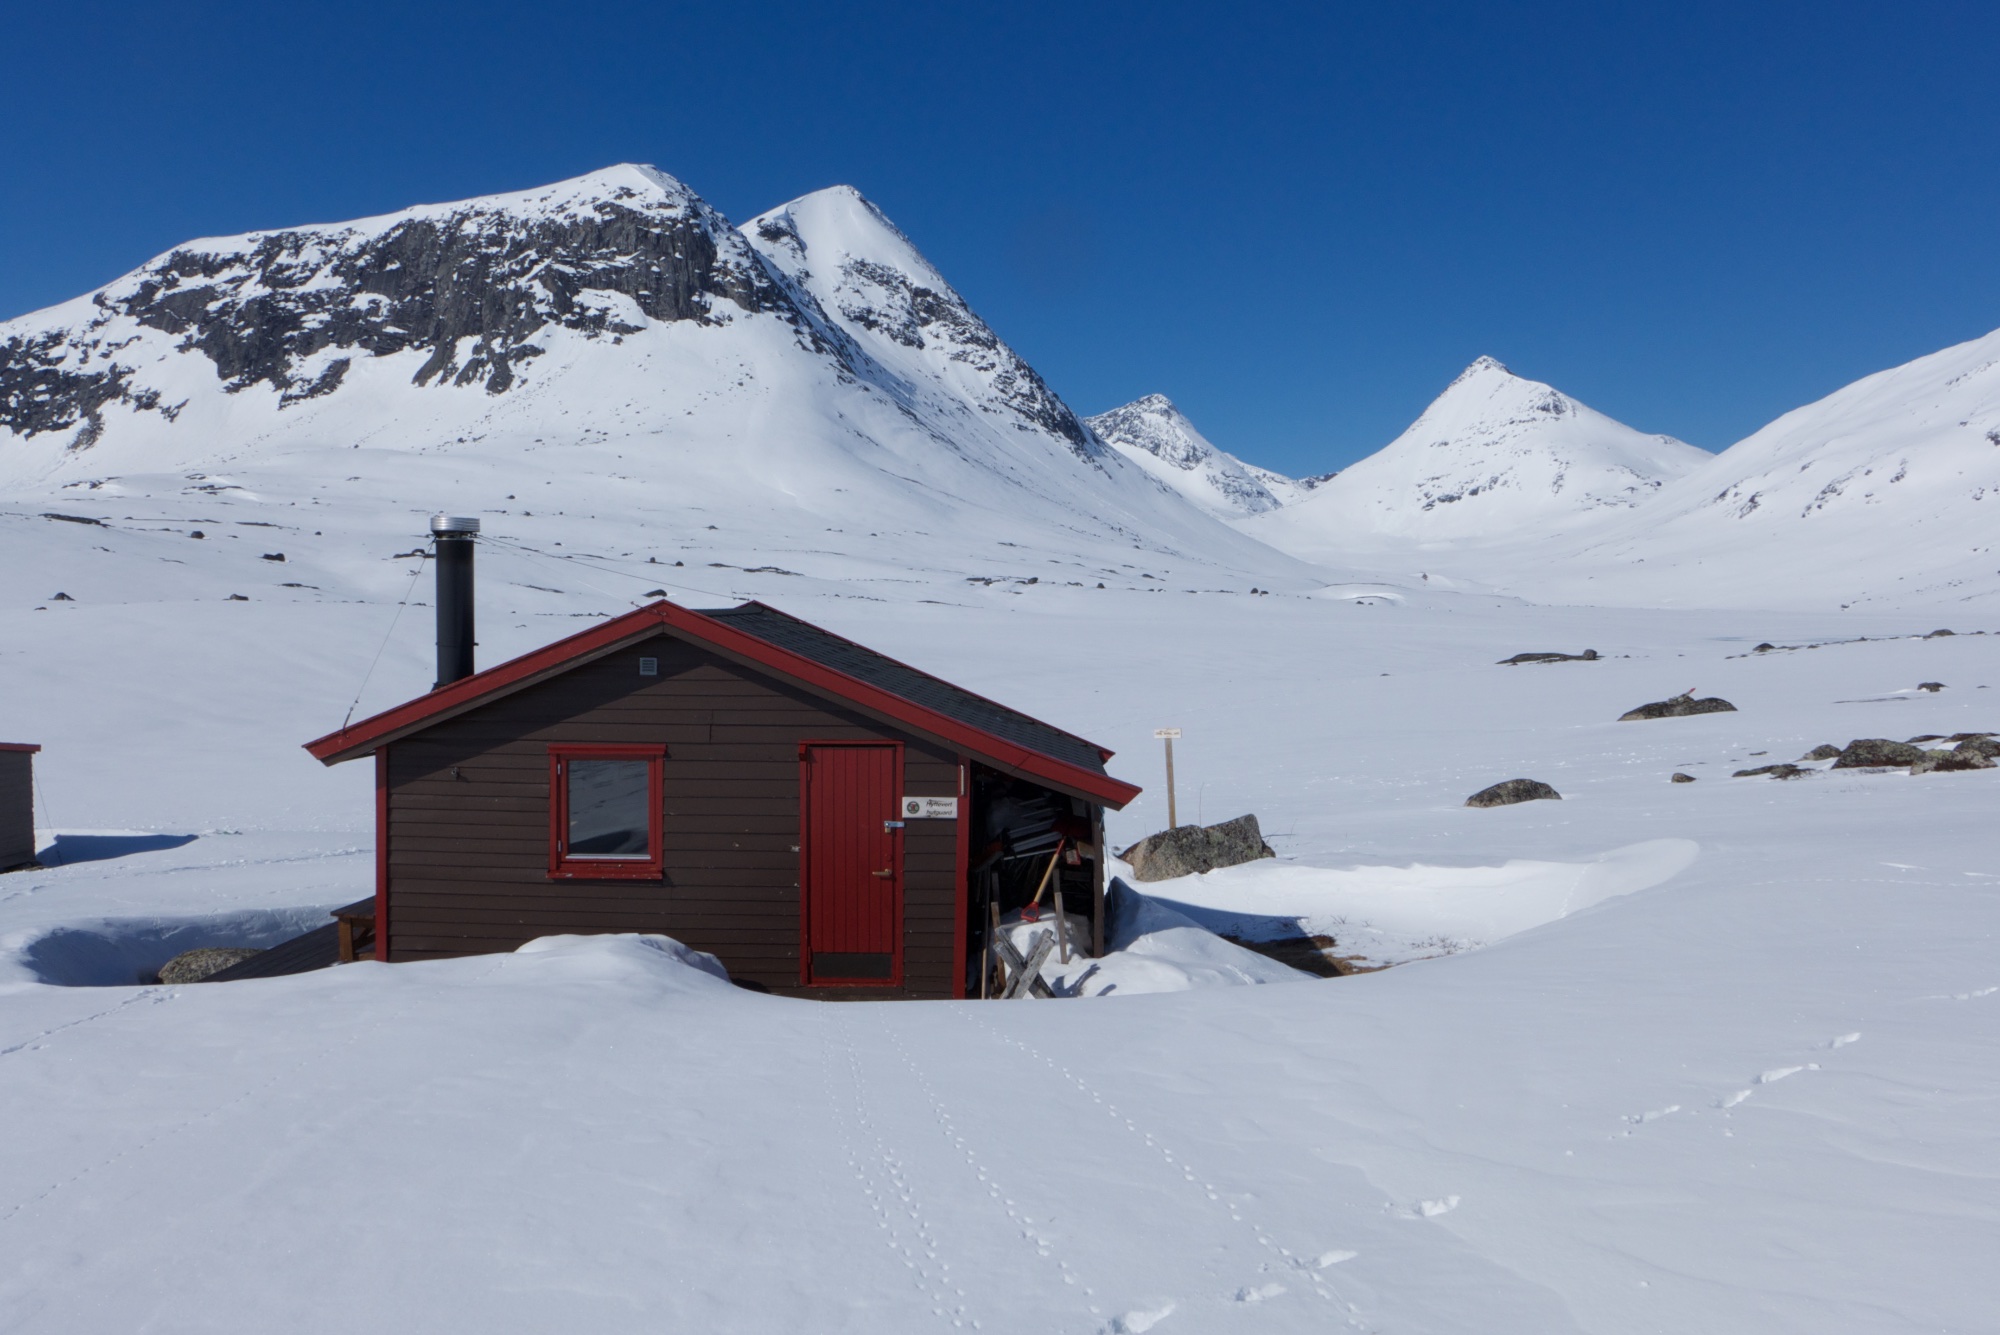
(853,854)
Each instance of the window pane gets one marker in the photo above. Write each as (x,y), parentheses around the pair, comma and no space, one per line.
(608,808)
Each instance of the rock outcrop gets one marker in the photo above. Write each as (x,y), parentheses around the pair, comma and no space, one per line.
(1587,656)
(1945,762)
(1679,707)
(192,966)
(1507,793)
(470,286)
(1187,850)
(1875,752)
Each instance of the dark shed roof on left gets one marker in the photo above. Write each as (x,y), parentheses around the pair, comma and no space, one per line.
(768,639)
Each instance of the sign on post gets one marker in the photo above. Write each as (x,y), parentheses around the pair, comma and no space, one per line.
(1168,735)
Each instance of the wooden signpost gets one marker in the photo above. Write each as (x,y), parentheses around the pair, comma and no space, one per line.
(1167,735)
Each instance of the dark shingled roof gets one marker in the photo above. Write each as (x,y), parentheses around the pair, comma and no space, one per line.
(830,650)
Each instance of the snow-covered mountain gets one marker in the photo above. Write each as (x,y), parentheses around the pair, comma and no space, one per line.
(860,269)
(609,345)
(1884,493)
(1495,457)
(1158,436)
(463,291)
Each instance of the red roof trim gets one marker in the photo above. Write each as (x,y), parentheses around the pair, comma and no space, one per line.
(464,694)
(29,747)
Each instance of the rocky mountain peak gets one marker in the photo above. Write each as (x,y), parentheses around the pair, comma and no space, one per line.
(870,278)
(1158,436)
(469,285)
(1153,424)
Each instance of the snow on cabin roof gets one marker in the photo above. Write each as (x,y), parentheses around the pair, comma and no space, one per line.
(824,647)
(769,639)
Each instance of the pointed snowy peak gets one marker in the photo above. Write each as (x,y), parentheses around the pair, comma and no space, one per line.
(1494,456)
(1154,425)
(1158,436)
(1486,397)
(868,276)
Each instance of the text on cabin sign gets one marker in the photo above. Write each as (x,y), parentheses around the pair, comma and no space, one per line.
(930,808)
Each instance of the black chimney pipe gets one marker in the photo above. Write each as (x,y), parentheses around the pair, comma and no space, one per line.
(454,536)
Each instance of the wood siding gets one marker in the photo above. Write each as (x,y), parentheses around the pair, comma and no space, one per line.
(17,809)
(468,855)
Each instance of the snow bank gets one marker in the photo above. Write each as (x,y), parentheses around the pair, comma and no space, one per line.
(1392,914)
(1151,947)
(628,954)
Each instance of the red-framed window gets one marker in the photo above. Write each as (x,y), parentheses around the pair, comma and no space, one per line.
(605,808)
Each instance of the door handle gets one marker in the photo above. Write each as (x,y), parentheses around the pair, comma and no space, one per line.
(886,874)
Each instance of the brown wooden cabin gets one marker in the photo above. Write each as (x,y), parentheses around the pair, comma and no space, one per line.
(824,819)
(17,805)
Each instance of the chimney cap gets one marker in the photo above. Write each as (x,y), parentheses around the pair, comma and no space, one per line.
(453,524)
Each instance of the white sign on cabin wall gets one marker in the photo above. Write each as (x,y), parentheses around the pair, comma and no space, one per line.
(930,808)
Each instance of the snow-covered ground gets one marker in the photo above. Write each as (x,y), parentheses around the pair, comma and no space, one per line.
(1637,1105)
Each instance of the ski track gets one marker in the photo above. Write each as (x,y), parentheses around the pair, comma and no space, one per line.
(1182,1170)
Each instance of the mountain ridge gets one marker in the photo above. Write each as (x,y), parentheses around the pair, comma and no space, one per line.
(1157,435)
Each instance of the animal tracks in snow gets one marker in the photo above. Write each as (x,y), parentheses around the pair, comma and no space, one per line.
(1421,1210)
(1961,996)
(1724,1102)
(1640,1119)
(885,1184)
(1137,1323)
(167,1130)
(151,996)
(1177,1168)
(1258,1295)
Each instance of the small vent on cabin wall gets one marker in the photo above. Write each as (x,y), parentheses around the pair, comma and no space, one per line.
(649,667)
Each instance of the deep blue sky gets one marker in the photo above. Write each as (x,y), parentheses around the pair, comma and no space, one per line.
(1298,222)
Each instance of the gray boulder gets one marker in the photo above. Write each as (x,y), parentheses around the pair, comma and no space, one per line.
(1944,762)
(1513,790)
(1932,686)
(1679,707)
(1587,656)
(1983,744)
(1679,777)
(1187,850)
(1825,751)
(1871,752)
(1775,771)
(192,966)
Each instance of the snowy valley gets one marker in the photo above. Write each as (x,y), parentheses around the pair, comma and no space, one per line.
(1714,1055)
